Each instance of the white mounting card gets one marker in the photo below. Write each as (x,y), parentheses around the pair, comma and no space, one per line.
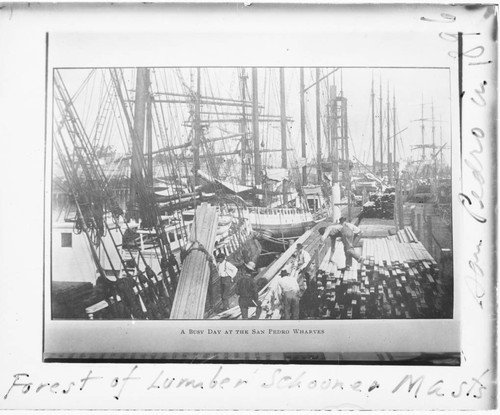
(447,53)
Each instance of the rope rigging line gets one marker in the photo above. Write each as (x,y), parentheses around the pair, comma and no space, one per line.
(103,181)
(161,120)
(96,181)
(172,165)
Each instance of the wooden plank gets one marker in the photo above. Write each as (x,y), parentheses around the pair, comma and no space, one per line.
(190,298)
(325,262)
(276,267)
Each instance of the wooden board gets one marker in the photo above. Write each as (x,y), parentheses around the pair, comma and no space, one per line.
(191,295)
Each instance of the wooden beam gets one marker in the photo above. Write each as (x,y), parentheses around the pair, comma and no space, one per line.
(191,295)
(283,119)
(197,127)
(303,126)
(255,128)
(318,127)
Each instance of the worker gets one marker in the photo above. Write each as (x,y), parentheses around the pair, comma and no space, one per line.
(331,232)
(300,262)
(290,295)
(350,236)
(301,258)
(227,272)
(246,288)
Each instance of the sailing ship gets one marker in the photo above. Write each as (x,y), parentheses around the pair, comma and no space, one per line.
(276,210)
(136,211)
(137,249)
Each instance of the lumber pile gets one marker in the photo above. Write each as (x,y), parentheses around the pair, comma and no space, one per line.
(377,228)
(398,279)
(405,235)
(190,298)
(380,206)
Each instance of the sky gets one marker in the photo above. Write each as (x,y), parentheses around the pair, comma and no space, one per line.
(409,86)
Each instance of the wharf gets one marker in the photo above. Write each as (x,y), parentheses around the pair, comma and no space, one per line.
(398,279)
(311,240)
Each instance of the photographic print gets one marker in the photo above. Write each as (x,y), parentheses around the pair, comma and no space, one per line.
(205,203)
(270,193)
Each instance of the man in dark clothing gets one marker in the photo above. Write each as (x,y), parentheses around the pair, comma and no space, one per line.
(309,303)
(247,290)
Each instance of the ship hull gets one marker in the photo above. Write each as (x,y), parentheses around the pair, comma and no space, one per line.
(281,223)
(283,231)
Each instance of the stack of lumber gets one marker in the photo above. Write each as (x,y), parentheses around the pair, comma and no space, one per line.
(377,228)
(380,206)
(191,295)
(398,279)
(404,235)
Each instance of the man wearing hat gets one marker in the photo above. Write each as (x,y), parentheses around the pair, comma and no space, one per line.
(227,272)
(290,295)
(246,288)
(301,258)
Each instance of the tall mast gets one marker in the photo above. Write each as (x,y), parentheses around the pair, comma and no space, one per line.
(347,170)
(334,136)
(343,140)
(149,139)
(433,128)
(423,128)
(335,153)
(283,128)
(394,158)
(398,205)
(329,117)
(303,126)
(441,142)
(283,118)
(373,126)
(389,161)
(318,126)
(141,97)
(381,133)
(197,127)
(243,128)
(255,127)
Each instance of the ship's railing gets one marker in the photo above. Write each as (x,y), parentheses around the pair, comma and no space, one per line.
(139,289)
(230,245)
(278,211)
